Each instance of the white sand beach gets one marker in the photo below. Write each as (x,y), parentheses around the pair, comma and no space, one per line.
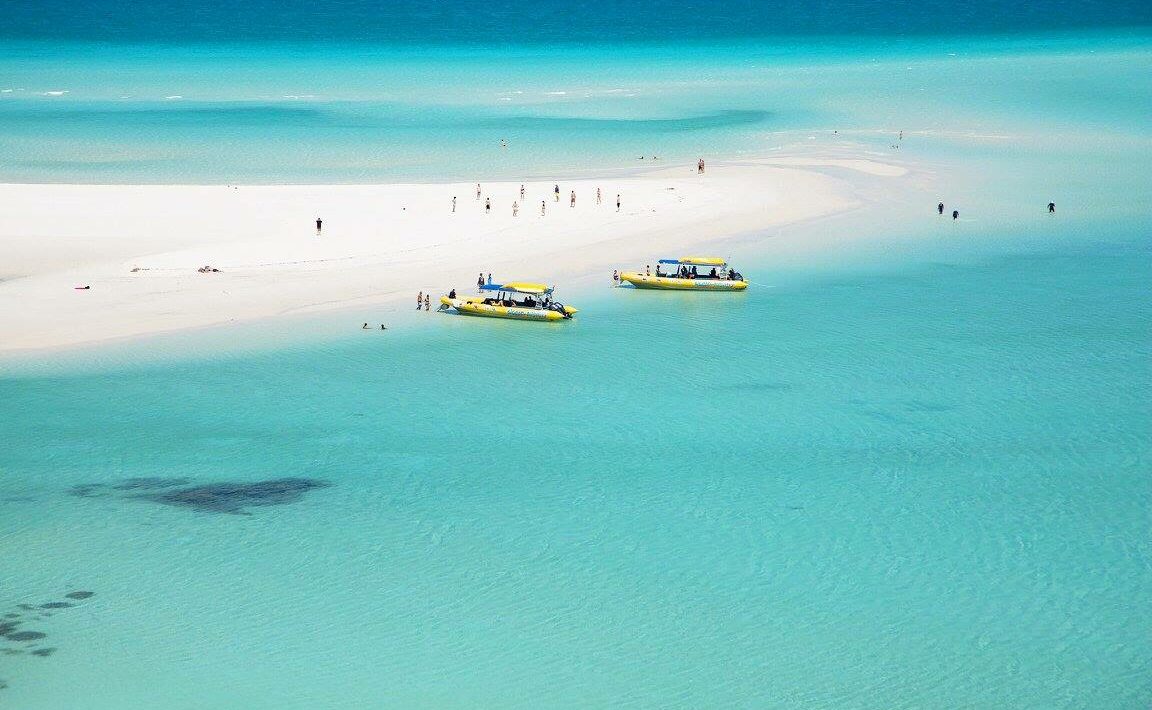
(138,248)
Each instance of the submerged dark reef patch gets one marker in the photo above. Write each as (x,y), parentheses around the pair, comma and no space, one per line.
(25,636)
(234,498)
(28,639)
(231,498)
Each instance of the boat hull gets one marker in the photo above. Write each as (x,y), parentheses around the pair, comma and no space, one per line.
(672,283)
(477,307)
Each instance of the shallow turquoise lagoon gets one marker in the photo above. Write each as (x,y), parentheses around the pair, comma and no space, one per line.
(274,113)
(911,471)
(919,483)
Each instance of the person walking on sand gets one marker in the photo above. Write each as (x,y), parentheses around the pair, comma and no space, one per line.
(521,192)
(572,199)
(1051,208)
(597,195)
(617,202)
(477,191)
(556,191)
(488,205)
(319,225)
(515,208)
(543,206)
(940,208)
(453,204)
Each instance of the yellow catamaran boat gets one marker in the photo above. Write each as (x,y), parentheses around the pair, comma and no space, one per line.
(498,301)
(692,273)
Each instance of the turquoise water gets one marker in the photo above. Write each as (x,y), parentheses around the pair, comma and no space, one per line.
(919,483)
(910,470)
(270,113)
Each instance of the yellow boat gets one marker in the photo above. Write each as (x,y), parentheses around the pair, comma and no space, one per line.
(498,301)
(685,275)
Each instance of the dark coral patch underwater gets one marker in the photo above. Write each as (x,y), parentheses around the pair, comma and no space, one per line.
(234,498)
(26,636)
(231,498)
(10,628)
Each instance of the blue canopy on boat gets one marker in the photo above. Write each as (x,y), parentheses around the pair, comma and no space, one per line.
(695,261)
(532,289)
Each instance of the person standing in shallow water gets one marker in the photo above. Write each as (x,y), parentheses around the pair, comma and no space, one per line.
(955,214)
(427,303)
(1051,208)
(419,299)
(319,225)
(480,280)
(940,208)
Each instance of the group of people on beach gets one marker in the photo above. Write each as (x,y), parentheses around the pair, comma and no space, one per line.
(543,203)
